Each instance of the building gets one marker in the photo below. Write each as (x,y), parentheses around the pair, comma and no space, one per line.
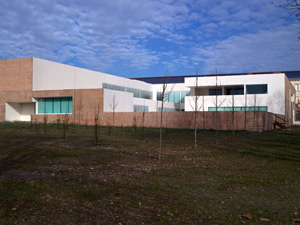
(32,86)
(276,92)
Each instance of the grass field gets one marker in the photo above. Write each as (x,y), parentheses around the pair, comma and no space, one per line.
(45,179)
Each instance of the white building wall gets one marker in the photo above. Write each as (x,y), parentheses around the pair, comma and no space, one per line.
(274,99)
(19,111)
(49,75)
(123,101)
(27,109)
(12,111)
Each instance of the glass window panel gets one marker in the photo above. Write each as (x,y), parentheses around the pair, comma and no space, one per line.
(70,105)
(214,91)
(177,96)
(41,105)
(159,96)
(234,91)
(257,89)
(171,97)
(49,105)
(64,105)
(183,94)
(56,105)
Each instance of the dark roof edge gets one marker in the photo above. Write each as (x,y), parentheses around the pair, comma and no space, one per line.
(220,74)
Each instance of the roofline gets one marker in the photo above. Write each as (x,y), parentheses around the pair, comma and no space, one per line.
(220,74)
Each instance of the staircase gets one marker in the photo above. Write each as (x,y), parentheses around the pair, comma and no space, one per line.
(280,122)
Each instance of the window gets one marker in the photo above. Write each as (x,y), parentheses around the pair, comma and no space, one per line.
(214,91)
(177,97)
(55,105)
(241,108)
(140,108)
(297,116)
(168,109)
(183,94)
(137,93)
(257,89)
(174,96)
(234,91)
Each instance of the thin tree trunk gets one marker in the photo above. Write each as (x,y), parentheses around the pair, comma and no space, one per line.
(195,130)
(245,123)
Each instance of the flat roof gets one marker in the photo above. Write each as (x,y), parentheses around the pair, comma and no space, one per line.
(295,74)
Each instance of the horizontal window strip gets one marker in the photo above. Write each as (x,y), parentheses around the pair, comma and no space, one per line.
(174,96)
(241,108)
(140,108)
(137,93)
(55,105)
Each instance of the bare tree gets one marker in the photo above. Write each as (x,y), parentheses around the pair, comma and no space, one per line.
(113,106)
(86,120)
(134,123)
(166,120)
(245,108)
(65,125)
(143,121)
(35,120)
(196,108)
(293,6)
(164,97)
(79,108)
(97,112)
(232,103)
(203,114)
(217,106)
(156,114)
(58,122)
(254,110)
(45,119)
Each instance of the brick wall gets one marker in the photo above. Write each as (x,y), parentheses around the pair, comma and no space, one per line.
(15,82)
(263,120)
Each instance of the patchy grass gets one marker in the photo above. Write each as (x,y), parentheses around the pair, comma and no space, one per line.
(49,180)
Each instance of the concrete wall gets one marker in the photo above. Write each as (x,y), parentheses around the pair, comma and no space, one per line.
(49,75)
(19,111)
(121,101)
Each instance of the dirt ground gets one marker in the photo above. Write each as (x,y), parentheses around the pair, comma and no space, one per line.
(45,179)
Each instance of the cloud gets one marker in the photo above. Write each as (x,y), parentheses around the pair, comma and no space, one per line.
(267,50)
(140,36)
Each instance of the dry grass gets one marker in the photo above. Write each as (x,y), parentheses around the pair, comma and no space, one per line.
(49,180)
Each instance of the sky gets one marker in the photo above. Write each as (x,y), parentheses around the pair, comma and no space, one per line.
(138,38)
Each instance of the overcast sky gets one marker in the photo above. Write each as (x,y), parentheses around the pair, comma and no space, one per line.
(135,38)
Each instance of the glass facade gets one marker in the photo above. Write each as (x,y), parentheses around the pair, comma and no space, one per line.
(174,96)
(242,108)
(168,109)
(140,108)
(213,91)
(257,89)
(137,93)
(59,105)
(234,91)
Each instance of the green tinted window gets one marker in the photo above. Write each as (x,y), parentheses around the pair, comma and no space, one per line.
(248,108)
(177,96)
(49,105)
(64,105)
(54,105)
(41,105)
(70,105)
